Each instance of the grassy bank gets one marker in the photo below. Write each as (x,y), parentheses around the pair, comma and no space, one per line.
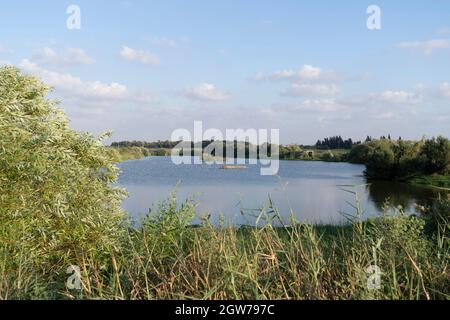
(167,258)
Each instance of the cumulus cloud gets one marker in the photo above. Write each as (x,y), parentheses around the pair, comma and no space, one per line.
(307,72)
(74,87)
(304,74)
(299,90)
(426,47)
(206,92)
(141,56)
(70,57)
(169,42)
(401,97)
(312,105)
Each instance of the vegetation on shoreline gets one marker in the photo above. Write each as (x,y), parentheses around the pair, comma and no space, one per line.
(127,150)
(332,149)
(425,162)
(167,258)
(58,208)
(128,153)
(121,154)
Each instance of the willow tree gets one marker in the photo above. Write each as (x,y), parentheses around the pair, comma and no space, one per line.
(58,206)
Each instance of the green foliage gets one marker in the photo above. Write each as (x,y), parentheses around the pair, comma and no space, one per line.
(438,219)
(388,159)
(381,159)
(359,154)
(336,142)
(121,154)
(56,200)
(437,155)
(169,223)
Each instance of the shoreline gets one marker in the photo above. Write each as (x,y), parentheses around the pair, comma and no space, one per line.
(439,182)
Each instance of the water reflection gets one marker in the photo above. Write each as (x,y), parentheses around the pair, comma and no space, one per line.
(311,191)
(401,194)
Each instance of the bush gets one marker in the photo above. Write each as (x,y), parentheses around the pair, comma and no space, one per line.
(380,161)
(437,155)
(388,159)
(57,204)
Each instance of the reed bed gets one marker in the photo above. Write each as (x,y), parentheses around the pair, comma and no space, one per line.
(166,257)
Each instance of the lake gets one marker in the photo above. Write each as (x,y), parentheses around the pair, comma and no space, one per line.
(311,191)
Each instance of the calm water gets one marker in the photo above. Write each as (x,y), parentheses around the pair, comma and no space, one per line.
(312,191)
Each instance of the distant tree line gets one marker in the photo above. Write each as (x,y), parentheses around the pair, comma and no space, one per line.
(369,138)
(286,152)
(143,144)
(384,158)
(234,148)
(336,142)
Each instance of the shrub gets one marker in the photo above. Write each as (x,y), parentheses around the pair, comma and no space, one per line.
(437,155)
(388,159)
(56,200)
(359,154)
(380,161)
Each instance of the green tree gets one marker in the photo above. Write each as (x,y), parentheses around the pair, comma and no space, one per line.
(436,153)
(380,160)
(359,154)
(57,203)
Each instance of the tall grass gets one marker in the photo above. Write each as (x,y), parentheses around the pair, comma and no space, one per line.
(168,258)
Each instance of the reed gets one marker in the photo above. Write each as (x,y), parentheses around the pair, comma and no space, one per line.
(168,258)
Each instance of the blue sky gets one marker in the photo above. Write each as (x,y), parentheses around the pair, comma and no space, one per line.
(310,69)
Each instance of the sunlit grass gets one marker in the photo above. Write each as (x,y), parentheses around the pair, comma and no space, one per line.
(168,258)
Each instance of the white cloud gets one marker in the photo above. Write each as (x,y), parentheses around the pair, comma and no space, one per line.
(71,57)
(298,90)
(401,97)
(73,87)
(169,42)
(206,92)
(307,72)
(444,89)
(426,46)
(313,105)
(142,56)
